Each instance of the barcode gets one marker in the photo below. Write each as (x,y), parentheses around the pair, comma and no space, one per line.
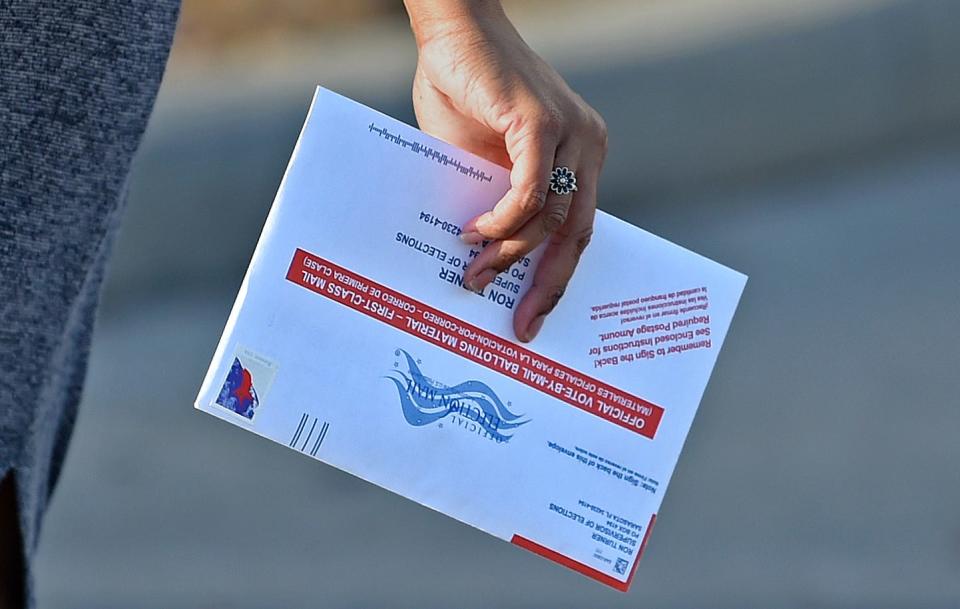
(310,426)
(621,566)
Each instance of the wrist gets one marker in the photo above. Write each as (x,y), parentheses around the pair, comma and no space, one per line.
(431,19)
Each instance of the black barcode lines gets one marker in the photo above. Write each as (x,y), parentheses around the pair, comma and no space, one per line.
(296,434)
(320,438)
(311,427)
(431,153)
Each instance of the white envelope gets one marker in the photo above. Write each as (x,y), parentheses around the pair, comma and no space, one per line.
(353,342)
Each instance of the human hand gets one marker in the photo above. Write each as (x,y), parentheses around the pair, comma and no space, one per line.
(480,87)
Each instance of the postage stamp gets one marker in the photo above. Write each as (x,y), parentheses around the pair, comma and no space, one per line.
(247,383)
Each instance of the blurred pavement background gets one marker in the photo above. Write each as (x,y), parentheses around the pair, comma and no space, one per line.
(815,146)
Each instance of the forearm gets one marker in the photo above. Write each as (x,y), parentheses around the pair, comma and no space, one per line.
(429,18)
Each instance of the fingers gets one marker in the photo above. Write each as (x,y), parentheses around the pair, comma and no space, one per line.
(529,183)
(500,255)
(526,217)
(557,265)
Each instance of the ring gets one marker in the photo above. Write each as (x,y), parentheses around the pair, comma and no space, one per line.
(563,181)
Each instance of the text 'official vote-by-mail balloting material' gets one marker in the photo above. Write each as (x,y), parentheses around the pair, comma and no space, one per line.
(353,341)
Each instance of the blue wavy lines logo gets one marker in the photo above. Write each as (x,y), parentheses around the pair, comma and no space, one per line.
(471,405)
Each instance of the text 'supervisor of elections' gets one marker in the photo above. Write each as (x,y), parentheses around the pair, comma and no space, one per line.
(353,341)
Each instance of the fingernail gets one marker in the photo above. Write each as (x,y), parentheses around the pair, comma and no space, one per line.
(470,226)
(471,237)
(485,278)
(534,328)
(480,281)
(478,222)
(470,285)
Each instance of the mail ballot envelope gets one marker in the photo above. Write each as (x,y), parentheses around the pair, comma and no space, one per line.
(353,341)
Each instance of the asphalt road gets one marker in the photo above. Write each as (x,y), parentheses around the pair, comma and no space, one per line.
(823,469)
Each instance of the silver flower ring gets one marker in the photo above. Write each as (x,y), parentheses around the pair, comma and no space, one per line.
(563,181)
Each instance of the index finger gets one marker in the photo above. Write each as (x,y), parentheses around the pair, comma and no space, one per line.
(529,179)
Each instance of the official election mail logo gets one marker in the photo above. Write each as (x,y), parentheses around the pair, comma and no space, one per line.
(247,382)
(470,405)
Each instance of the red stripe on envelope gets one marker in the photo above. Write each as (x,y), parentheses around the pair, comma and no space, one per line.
(587,570)
(457,336)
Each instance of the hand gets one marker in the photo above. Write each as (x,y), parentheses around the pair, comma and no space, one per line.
(480,87)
